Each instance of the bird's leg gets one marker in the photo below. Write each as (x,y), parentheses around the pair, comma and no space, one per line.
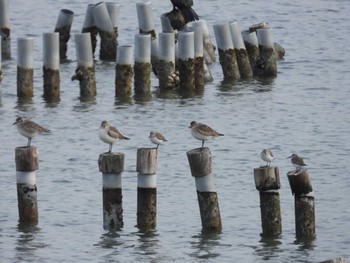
(202,144)
(157,146)
(29,141)
(110,148)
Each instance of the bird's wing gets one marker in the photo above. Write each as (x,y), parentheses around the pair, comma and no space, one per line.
(160,136)
(114,133)
(206,130)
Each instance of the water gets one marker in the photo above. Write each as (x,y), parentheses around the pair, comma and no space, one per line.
(304,110)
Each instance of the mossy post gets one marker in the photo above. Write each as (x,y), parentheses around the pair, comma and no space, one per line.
(63,26)
(25,72)
(89,26)
(85,71)
(142,65)
(108,45)
(111,165)
(114,11)
(252,46)
(267,182)
(201,169)
(5,32)
(27,162)
(198,59)
(51,67)
(244,67)
(266,65)
(146,166)
(124,71)
(227,54)
(304,204)
(208,46)
(186,61)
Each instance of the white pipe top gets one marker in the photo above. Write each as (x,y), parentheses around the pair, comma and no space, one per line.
(147,181)
(250,37)
(51,50)
(83,50)
(144,15)
(25,58)
(236,35)
(4,11)
(265,37)
(185,45)
(101,17)
(113,11)
(166,47)
(143,48)
(223,36)
(166,25)
(198,41)
(125,55)
(112,181)
(89,18)
(65,18)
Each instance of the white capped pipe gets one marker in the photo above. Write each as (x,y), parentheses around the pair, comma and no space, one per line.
(143,48)
(51,50)
(101,17)
(154,48)
(113,11)
(265,37)
(205,29)
(223,36)
(125,55)
(4,11)
(166,25)
(26,177)
(89,18)
(198,41)
(111,181)
(25,58)
(205,183)
(144,15)
(83,50)
(185,45)
(250,37)
(65,18)
(236,35)
(147,181)
(167,47)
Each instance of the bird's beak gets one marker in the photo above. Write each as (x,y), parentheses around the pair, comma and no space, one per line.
(14,123)
(289,157)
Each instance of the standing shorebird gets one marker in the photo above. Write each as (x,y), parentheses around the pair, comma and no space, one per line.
(297,161)
(110,134)
(203,132)
(157,138)
(267,156)
(29,128)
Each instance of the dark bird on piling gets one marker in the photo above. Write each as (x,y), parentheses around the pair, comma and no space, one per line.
(297,161)
(185,7)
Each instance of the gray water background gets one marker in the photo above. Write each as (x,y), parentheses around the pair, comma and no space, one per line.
(305,109)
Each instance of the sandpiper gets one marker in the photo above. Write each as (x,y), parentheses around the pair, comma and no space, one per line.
(267,156)
(157,138)
(203,132)
(297,161)
(29,128)
(110,134)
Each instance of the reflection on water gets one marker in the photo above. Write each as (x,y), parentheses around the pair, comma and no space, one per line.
(269,249)
(205,245)
(109,240)
(148,242)
(25,104)
(84,104)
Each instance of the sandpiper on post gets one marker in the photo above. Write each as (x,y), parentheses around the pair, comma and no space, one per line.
(267,182)
(25,63)
(304,200)
(5,32)
(63,26)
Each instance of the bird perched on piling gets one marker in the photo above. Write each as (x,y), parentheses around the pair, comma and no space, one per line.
(203,132)
(185,7)
(110,134)
(267,156)
(29,128)
(157,138)
(297,162)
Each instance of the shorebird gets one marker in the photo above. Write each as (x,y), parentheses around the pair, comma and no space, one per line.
(203,132)
(297,161)
(267,156)
(157,138)
(110,134)
(29,128)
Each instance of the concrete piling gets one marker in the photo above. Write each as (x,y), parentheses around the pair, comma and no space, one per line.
(267,182)
(114,11)
(5,32)
(201,169)
(142,65)
(252,46)
(198,59)
(124,71)
(25,63)
(208,46)
(51,67)
(111,165)
(27,162)
(89,26)
(186,61)
(63,27)
(146,166)
(266,65)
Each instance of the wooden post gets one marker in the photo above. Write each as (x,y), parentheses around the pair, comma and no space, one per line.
(27,162)
(186,61)
(266,65)
(124,71)
(147,159)
(335,260)
(267,182)
(51,67)
(227,54)
(252,47)
(201,169)
(5,32)
(63,26)
(25,72)
(111,165)
(304,204)
(85,71)
(89,26)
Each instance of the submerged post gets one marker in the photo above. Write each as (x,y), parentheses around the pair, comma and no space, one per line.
(89,26)
(227,54)
(304,203)
(5,32)
(27,162)
(111,165)
(201,169)
(267,65)
(25,72)
(198,58)
(63,26)
(147,159)
(252,47)
(267,182)
(142,65)
(51,67)
(113,11)
(124,71)
(186,60)
(85,71)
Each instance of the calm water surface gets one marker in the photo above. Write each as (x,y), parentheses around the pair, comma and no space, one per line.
(305,109)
